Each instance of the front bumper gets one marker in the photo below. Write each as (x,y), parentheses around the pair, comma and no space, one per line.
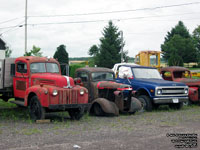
(167,100)
(69,106)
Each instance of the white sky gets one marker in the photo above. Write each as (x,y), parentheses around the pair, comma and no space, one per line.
(139,34)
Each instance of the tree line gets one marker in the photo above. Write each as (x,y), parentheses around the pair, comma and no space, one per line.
(179,47)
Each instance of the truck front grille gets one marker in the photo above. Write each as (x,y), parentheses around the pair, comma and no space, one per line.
(68,96)
(172,91)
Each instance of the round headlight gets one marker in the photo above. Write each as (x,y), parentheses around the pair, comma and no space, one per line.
(55,92)
(159,92)
(186,91)
(82,92)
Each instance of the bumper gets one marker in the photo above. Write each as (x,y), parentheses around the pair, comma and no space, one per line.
(167,100)
(69,106)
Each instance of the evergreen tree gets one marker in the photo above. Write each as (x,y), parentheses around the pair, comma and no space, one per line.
(61,55)
(108,52)
(196,38)
(179,42)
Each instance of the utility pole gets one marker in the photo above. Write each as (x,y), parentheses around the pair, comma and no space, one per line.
(121,33)
(26,5)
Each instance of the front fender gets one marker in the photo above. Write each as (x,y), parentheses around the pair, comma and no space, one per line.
(41,92)
(107,106)
(144,89)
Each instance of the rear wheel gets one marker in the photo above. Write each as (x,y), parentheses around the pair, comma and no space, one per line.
(176,106)
(37,112)
(76,114)
(146,103)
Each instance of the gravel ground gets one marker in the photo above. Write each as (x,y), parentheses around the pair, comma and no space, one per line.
(140,131)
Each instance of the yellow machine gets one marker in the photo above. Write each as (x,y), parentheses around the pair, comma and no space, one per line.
(148,58)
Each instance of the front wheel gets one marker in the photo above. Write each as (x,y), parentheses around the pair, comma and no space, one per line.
(76,114)
(145,102)
(37,112)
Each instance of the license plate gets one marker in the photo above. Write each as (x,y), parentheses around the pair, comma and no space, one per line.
(175,100)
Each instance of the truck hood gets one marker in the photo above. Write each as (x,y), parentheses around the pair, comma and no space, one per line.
(159,82)
(188,82)
(51,79)
(112,85)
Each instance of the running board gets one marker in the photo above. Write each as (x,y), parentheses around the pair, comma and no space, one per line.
(20,103)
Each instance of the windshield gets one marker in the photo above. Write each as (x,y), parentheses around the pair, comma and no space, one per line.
(98,76)
(146,73)
(44,67)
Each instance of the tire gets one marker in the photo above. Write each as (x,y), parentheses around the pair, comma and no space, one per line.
(176,106)
(37,112)
(146,103)
(97,110)
(76,114)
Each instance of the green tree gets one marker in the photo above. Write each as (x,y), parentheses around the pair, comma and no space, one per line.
(196,38)
(108,52)
(34,52)
(8,52)
(179,42)
(61,55)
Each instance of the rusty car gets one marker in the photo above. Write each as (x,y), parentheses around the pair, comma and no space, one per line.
(105,95)
(182,74)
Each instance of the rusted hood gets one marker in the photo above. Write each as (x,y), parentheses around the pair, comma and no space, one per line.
(189,82)
(112,85)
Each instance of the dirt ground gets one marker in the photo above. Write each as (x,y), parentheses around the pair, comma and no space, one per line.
(142,131)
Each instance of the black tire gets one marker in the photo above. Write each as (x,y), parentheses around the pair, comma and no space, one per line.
(37,112)
(176,106)
(146,103)
(76,114)
(97,110)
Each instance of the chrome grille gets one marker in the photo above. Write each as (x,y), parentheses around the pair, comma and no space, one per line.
(172,91)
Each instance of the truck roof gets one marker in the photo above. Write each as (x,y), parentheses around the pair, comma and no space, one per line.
(32,59)
(174,68)
(94,69)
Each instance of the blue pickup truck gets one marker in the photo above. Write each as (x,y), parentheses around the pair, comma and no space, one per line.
(151,89)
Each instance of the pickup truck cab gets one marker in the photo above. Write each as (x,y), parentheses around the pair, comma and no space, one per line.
(183,75)
(151,89)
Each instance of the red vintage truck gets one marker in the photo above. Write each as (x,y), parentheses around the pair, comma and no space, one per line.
(37,83)
(181,74)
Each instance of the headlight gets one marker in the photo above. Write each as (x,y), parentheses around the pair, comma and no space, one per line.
(159,92)
(55,92)
(186,91)
(82,92)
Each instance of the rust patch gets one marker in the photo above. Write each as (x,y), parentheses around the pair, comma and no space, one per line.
(21,85)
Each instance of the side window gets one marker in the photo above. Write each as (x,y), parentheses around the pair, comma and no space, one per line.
(83,76)
(167,75)
(21,67)
(125,71)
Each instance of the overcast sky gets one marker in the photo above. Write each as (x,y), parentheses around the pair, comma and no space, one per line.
(144,30)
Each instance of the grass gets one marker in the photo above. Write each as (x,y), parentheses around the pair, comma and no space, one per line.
(30,131)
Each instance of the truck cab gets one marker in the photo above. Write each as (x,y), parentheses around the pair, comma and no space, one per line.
(37,83)
(150,87)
